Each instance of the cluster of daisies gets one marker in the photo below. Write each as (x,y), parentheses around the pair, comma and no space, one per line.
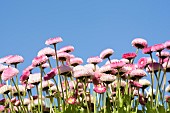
(63,81)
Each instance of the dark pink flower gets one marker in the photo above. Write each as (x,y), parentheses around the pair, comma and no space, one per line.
(50,74)
(154,67)
(71,100)
(100,89)
(15,59)
(142,62)
(94,60)
(106,53)
(129,56)
(47,51)
(139,43)
(167,45)
(135,84)
(147,50)
(67,49)
(75,61)
(117,64)
(157,47)
(142,100)
(24,77)
(52,41)
(37,61)
(9,73)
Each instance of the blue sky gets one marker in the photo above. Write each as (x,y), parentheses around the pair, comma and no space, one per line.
(90,26)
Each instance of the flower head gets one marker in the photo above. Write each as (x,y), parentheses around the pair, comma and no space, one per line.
(139,43)
(24,77)
(64,70)
(15,59)
(37,61)
(129,56)
(5,89)
(106,53)
(154,67)
(99,89)
(34,78)
(52,41)
(145,83)
(94,60)
(50,74)
(157,47)
(75,61)
(142,62)
(117,64)
(167,44)
(9,73)
(137,74)
(67,49)
(2,67)
(71,100)
(107,78)
(147,50)
(47,51)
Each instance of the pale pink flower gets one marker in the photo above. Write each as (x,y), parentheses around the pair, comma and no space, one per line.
(117,64)
(24,77)
(28,86)
(71,100)
(128,68)
(34,78)
(139,43)
(2,108)
(78,68)
(107,69)
(5,89)
(91,67)
(106,53)
(83,73)
(157,47)
(29,68)
(4,59)
(17,103)
(166,65)
(2,67)
(47,51)
(62,56)
(21,89)
(45,65)
(67,49)
(125,60)
(94,60)
(64,70)
(39,60)
(99,89)
(122,84)
(167,89)
(26,101)
(142,62)
(107,78)
(15,59)
(9,73)
(137,74)
(52,41)
(75,61)
(129,56)
(145,83)
(51,74)
(167,44)
(154,67)
(147,50)
(45,85)
(163,54)
(53,89)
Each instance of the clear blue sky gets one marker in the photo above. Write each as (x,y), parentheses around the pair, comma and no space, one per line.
(89,25)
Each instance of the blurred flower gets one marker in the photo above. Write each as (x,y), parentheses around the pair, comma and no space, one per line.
(71,100)
(106,53)
(111,61)
(147,50)
(51,74)
(135,84)
(157,47)
(167,44)
(15,59)
(47,51)
(107,78)
(167,89)
(24,77)
(137,74)
(154,67)
(94,60)
(21,91)
(4,59)
(99,89)
(139,43)
(5,89)
(9,73)
(2,67)
(64,70)
(37,61)
(45,85)
(145,83)
(142,62)
(67,49)
(118,64)
(129,56)
(52,41)
(107,69)
(62,56)
(34,78)
(75,61)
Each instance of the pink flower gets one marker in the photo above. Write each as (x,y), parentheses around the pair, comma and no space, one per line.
(4,59)
(129,56)
(117,64)
(157,47)
(75,61)
(111,61)
(2,108)
(83,73)
(47,51)
(24,77)
(45,85)
(145,83)
(163,54)
(147,50)
(128,68)
(29,68)
(21,89)
(135,84)
(100,89)
(94,60)
(52,41)
(166,65)
(2,67)
(108,69)
(9,73)
(142,62)
(107,78)
(139,43)
(64,70)
(154,67)
(37,61)
(50,74)
(15,59)
(62,56)
(167,45)
(71,100)
(67,49)
(106,53)
(137,73)
(34,78)
(45,65)
(5,89)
